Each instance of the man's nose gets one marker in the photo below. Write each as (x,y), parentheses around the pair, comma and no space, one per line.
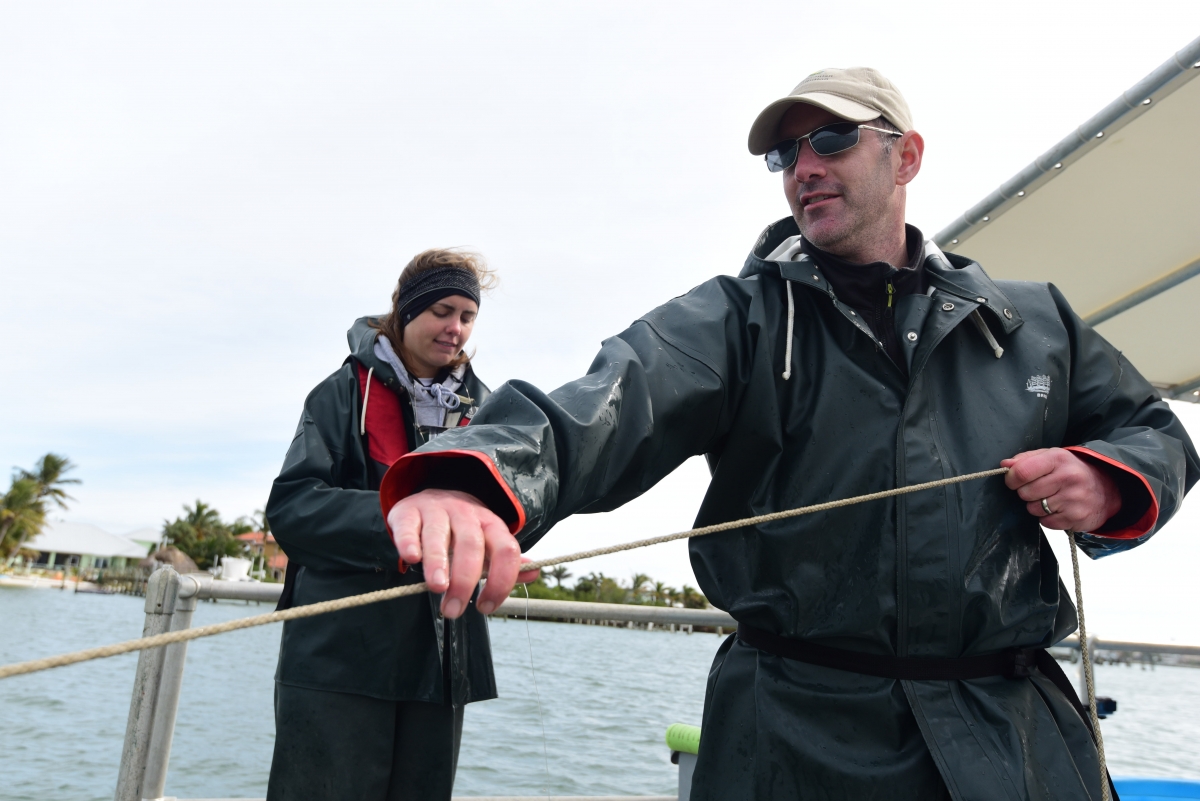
(808,164)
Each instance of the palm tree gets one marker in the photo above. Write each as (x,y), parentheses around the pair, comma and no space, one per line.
(22,515)
(691,598)
(560,574)
(637,586)
(587,587)
(48,475)
(202,535)
(659,592)
(204,519)
(23,507)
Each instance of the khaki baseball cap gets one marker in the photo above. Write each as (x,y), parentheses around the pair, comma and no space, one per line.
(858,94)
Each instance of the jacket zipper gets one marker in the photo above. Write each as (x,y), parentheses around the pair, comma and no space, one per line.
(887,329)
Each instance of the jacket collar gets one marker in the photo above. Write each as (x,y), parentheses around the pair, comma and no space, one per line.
(960,276)
(948,272)
(804,270)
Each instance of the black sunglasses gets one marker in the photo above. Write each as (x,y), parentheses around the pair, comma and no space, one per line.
(825,141)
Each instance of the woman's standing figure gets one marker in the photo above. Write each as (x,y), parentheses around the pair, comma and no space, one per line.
(369,701)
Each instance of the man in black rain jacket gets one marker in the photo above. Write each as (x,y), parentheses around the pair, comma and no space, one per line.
(849,356)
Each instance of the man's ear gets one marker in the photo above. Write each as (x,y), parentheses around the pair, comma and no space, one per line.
(909,149)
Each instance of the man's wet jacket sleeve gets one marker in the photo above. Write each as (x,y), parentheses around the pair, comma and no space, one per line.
(319,523)
(1121,422)
(655,395)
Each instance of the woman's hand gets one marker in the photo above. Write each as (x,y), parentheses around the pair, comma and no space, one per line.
(1081,496)
(455,537)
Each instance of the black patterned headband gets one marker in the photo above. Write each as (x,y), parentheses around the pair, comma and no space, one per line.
(431,286)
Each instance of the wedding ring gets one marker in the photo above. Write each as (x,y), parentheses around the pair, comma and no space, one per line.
(1046,508)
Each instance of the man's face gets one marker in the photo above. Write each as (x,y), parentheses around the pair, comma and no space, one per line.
(845,201)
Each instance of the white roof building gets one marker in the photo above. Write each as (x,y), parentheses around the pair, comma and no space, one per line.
(145,537)
(83,539)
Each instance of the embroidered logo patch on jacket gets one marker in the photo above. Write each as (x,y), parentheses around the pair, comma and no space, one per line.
(1038,385)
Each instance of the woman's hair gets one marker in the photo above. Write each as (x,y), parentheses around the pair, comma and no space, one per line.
(391,326)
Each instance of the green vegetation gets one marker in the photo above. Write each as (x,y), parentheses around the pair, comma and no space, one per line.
(559,574)
(31,494)
(599,588)
(204,536)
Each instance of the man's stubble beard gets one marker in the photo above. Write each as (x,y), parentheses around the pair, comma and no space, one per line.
(865,218)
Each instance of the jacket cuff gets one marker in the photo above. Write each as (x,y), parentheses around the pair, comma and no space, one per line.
(1135,494)
(466,471)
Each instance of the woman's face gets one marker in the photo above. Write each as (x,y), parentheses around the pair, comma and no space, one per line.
(437,335)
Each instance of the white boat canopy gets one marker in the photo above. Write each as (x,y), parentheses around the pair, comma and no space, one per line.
(1111,216)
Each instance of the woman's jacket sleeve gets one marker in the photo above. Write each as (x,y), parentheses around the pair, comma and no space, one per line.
(320,508)
(1120,420)
(655,395)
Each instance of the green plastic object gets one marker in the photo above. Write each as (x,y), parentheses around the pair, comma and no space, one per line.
(683,738)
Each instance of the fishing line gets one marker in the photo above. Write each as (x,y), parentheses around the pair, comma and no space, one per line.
(536,694)
(1089,679)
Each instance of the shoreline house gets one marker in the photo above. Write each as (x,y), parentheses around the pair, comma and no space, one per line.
(81,545)
(149,538)
(274,560)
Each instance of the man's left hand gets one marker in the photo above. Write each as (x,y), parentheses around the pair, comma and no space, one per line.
(1080,495)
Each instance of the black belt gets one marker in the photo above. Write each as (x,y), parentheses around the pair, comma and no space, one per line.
(1015,663)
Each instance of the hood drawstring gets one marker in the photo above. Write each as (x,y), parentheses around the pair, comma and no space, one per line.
(430,403)
(362,426)
(445,397)
(982,326)
(787,357)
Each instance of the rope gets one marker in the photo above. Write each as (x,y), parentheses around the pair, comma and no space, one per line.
(338,604)
(1086,655)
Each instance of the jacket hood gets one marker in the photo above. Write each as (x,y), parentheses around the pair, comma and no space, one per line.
(768,240)
(361,337)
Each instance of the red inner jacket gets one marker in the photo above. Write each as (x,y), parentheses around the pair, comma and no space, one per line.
(384,424)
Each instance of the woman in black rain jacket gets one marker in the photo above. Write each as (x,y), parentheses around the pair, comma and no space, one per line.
(369,701)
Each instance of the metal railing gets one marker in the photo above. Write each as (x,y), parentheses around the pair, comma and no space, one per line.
(1102,650)
(171,600)
(569,611)
(1123,646)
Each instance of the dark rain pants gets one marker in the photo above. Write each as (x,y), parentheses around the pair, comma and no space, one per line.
(340,747)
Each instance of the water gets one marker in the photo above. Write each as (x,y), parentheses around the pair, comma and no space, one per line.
(607,696)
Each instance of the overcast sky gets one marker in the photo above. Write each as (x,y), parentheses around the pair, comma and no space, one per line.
(198,199)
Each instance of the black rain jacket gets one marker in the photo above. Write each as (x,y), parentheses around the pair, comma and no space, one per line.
(324,511)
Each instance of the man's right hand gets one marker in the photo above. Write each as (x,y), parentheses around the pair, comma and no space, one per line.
(455,537)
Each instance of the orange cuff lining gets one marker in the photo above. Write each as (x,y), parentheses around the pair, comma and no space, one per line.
(409,472)
(1147,520)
